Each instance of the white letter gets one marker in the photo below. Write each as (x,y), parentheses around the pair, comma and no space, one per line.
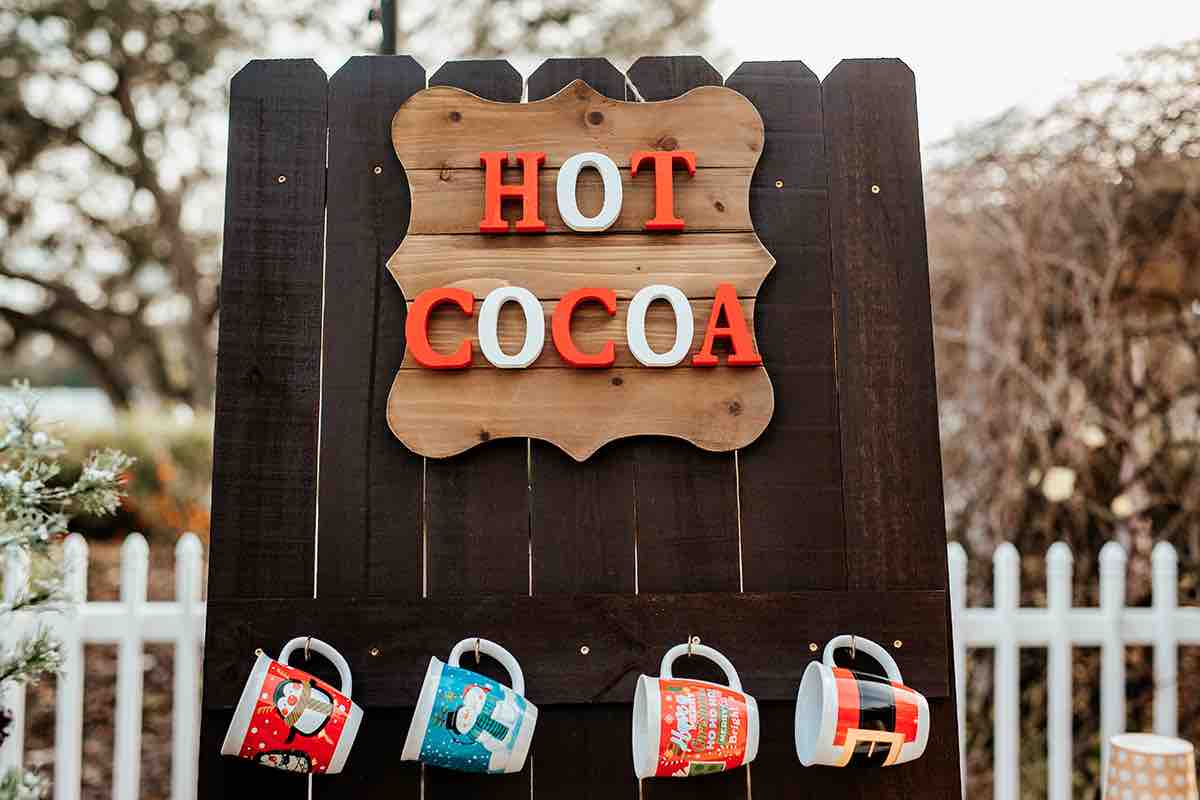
(635,326)
(568,208)
(489,319)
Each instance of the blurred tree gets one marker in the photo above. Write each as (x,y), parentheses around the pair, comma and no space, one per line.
(1065,266)
(112,152)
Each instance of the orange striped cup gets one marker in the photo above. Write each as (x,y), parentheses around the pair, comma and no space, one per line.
(847,718)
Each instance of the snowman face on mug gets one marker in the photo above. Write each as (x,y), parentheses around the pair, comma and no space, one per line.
(472,705)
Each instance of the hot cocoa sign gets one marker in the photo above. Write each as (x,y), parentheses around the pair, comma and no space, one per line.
(578,270)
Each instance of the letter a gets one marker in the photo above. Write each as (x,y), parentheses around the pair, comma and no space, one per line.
(742,353)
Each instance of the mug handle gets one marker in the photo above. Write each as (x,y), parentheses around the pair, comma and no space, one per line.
(867,646)
(324,649)
(497,652)
(721,661)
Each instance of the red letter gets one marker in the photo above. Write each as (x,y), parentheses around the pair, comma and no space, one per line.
(416,328)
(664,190)
(742,348)
(560,327)
(494,191)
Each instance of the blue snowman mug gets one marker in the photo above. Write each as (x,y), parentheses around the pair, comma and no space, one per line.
(470,723)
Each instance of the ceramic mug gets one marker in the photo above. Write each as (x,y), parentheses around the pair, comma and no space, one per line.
(470,723)
(850,718)
(684,727)
(289,719)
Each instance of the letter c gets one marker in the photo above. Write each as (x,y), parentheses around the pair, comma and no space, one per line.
(416,328)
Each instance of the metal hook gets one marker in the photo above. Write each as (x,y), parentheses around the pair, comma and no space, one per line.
(307,642)
(476,649)
(692,642)
(853,651)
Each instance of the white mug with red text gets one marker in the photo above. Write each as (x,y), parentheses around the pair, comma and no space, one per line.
(684,727)
(289,719)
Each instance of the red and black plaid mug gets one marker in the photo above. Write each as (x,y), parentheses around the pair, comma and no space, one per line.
(847,718)
(290,720)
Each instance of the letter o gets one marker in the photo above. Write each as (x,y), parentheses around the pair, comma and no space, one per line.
(635,326)
(535,327)
(568,207)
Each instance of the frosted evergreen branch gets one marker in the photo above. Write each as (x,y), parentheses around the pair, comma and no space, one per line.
(32,657)
(21,785)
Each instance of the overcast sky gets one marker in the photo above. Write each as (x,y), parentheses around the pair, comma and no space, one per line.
(972,59)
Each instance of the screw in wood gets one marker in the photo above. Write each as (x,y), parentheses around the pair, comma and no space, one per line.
(583,651)
(374,651)
(874,188)
(897,644)
(778,184)
(378,169)
(812,647)
(282,179)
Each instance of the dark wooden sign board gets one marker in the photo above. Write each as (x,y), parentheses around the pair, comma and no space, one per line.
(324,524)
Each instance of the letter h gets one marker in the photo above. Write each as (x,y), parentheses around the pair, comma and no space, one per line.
(496,190)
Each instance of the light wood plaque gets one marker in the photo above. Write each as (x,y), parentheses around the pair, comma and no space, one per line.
(439,134)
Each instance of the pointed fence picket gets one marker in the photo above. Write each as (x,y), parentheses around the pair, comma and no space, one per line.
(1005,627)
(129,623)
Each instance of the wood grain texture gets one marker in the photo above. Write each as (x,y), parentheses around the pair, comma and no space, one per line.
(369,524)
(687,499)
(626,635)
(582,534)
(711,201)
(591,329)
(477,515)
(799,455)
(555,408)
(265,438)
(798,543)
(582,539)
(551,266)
(890,454)
(891,463)
(442,413)
(371,486)
(445,127)
(493,78)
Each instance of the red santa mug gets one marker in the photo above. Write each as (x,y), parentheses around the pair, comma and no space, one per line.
(848,718)
(289,719)
(684,727)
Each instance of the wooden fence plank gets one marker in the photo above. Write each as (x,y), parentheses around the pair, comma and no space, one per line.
(445,129)
(686,497)
(551,266)
(620,630)
(265,439)
(477,503)
(582,540)
(369,529)
(891,463)
(370,494)
(790,478)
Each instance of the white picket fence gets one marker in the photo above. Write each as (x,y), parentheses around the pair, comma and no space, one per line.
(128,623)
(1005,627)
